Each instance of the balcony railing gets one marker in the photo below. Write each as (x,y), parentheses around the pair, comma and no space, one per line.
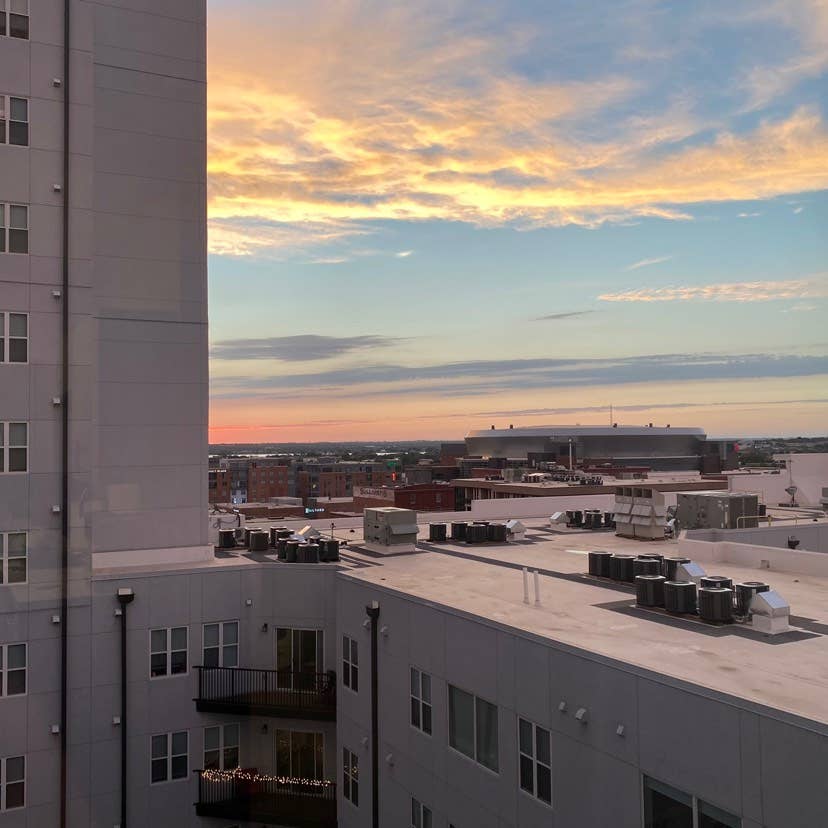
(267,692)
(272,802)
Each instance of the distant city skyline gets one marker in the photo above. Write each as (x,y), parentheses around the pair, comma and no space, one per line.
(426,218)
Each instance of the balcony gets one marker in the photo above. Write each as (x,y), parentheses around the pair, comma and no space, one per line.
(242,690)
(295,804)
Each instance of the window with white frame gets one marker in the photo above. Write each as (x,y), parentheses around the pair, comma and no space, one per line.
(14,18)
(13,558)
(420,815)
(170,757)
(12,782)
(14,120)
(535,760)
(221,644)
(421,700)
(350,776)
(14,337)
(14,228)
(350,663)
(473,729)
(666,805)
(168,652)
(12,669)
(14,447)
(221,747)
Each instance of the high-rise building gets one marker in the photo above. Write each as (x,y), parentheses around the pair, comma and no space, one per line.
(103,358)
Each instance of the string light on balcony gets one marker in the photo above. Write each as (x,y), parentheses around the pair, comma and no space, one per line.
(241,775)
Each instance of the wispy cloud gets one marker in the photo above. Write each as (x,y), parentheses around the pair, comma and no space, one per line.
(302,348)
(418,112)
(760,291)
(798,210)
(648,262)
(404,254)
(553,317)
(482,377)
(749,215)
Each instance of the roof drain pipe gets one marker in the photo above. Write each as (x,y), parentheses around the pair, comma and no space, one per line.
(373,611)
(125,597)
(64,581)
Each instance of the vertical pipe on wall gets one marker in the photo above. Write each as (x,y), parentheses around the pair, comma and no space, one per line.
(64,585)
(125,597)
(373,612)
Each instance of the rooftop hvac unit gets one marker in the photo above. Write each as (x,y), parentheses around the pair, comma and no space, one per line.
(770,612)
(744,595)
(649,590)
(458,531)
(716,582)
(259,542)
(515,530)
(436,531)
(680,597)
(646,566)
(716,604)
(621,568)
(599,564)
(227,538)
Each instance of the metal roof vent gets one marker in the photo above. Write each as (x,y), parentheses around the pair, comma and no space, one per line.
(690,571)
(770,612)
(744,595)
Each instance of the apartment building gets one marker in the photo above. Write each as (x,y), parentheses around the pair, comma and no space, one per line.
(103,364)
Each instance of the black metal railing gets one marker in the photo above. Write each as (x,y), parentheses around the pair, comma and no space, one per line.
(296,803)
(267,692)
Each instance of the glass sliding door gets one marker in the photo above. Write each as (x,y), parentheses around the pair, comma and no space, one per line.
(299,657)
(300,755)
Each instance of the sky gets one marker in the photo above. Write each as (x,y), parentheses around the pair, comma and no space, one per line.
(428,217)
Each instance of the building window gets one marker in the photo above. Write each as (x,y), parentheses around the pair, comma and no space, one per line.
(14,447)
(12,780)
(473,727)
(421,700)
(350,776)
(665,805)
(14,18)
(221,747)
(420,815)
(299,658)
(14,337)
(170,757)
(168,652)
(13,557)
(350,663)
(221,644)
(535,757)
(14,120)
(12,669)
(300,755)
(14,228)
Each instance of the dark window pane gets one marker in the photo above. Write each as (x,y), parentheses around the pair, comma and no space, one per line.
(211,657)
(18,241)
(231,757)
(159,770)
(15,795)
(178,663)
(158,664)
(542,746)
(525,737)
(665,807)
(415,682)
(487,734)
(18,350)
(712,817)
(18,109)
(211,759)
(159,746)
(18,134)
(544,784)
(17,460)
(19,26)
(427,718)
(17,570)
(211,635)
(355,679)
(231,656)
(415,712)
(179,767)
(212,738)
(16,682)
(2,121)
(178,640)
(461,721)
(158,640)
(527,778)
(355,792)
(2,24)
(179,743)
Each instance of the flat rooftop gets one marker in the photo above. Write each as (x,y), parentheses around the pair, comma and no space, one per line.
(788,672)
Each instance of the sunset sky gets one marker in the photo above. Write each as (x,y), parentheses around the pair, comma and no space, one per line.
(427,217)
